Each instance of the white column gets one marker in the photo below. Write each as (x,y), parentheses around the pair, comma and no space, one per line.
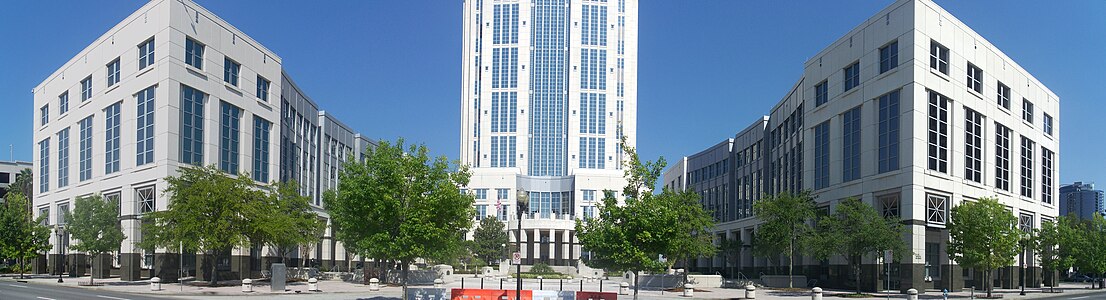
(566,245)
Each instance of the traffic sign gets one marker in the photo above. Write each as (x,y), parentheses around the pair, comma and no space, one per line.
(516,258)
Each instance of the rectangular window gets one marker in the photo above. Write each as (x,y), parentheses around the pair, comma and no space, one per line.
(1027,167)
(889,132)
(481,194)
(45,213)
(890,205)
(936,209)
(938,57)
(589,195)
(63,157)
(44,166)
(261,132)
(1046,175)
(821,155)
(230,71)
(1048,124)
(975,78)
(852,76)
(113,72)
(821,93)
(146,199)
(44,115)
(144,146)
(481,211)
(938,138)
(1002,157)
(86,88)
(262,88)
(63,102)
(193,53)
(228,137)
(86,148)
(1003,95)
(889,57)
(850,145)
(504,212)
(973,145)
(63,209)
(192,126)
(111,138)
(1027,111)
(146,54)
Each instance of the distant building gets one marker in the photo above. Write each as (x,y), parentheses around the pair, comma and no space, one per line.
(8,171)
(1081,199)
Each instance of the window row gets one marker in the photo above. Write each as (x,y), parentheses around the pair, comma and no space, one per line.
(888,60)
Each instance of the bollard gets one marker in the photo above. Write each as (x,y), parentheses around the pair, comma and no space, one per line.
(438,283)
(562,283)
(462,283)
(541,283)
(374,284)
(582,284)
(155,284)
(816,293)
(689,290)
(911,294)
(247,285)
(481,283)
(750,292)
(623,288)
(312,285)
(600,285)
(501,283)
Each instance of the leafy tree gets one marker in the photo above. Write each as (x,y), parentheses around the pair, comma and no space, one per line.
(289,221)
(489,240)
(21,236)
(1052,246)
(856,230)
(784,226)
(984,218)
(1089,245)
(208,211)
(24,183)
(731,249)
(400,204)
(682,225)
(94,223)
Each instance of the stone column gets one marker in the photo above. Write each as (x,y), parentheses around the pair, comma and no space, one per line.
(566,245)
(101,266)
(130,266)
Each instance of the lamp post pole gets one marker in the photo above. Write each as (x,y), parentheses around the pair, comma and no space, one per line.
(61,255)
(1024,242)
(523,201)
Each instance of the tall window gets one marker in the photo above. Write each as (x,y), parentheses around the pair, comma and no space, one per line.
(1002,157)
(63,157)
(261,130)
(262,88)
(938,57)
(1047,124)
(889,132)
(975,78)
(852,76)
(146,54)
(146,199)
(821,93)
(1046,175)
(192,126)
(63,209)
(1003,95)
(86,148)
(938,132)
(504,212)
(1027,111)
(1027,167)
(44,115)
(111,138)
(973,145)
(44,166)
(850,145)
(821,155)
(889,57)
(193,53)
(113,72)
(230,71)
(63,102)
(86,88)
(936,209)
(228,137)
(481,211)
(144,146)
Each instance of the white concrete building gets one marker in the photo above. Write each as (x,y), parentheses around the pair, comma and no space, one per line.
(172,85)
(549,88)
(911,112)
(8,171)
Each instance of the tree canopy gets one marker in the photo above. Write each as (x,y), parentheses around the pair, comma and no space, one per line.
(21,236)
(856,230)
(489,240)
(984,218)
(289,221)
(784,226)
(94,224)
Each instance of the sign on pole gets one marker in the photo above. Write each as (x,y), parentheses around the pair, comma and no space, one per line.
(516,258)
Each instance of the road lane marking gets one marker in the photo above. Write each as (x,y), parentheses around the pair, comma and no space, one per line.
(16,285)
(110,297)
(1081,297)
(44,298)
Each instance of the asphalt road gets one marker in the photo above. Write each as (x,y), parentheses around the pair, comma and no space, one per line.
(10,290)
(1098,295)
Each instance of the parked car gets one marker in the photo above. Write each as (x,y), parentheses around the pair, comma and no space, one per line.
(1080,278)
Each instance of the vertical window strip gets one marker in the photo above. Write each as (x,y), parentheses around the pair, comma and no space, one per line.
(889,132)
(973,145)
(192,126)
(261,132)
(1002,157)
(86,149)
(146,54)
(144,145)
(1027,167)
(850,148)
(44,166)
(228,139)
(821,155)
(63,157)
(111,138)
(938,132)
(1046,175)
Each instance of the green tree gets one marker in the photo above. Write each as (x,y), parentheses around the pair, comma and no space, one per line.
(21,236)
(289,221)
(785,225)
(731,249)
(1052,246)
(1089,245)
(399,204)
(682,225)
(856,230)
(208,211)
(984,218)
(94,223)
(489,240)
(24,183)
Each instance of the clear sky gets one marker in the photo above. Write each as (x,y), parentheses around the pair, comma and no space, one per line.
(706,68)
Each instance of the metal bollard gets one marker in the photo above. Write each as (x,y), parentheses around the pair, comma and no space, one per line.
(462,283)
(501,283)
(816,293)
(313,285)
(155,284)
(582,284)
(689,290)
(911,294)
(750,292)
(600,285)
(438,283)
(374,284)
(562,287)
(541,283)
(623,288)
(247,285)
(481,283)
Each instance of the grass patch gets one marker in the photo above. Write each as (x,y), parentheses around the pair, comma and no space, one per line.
(854,295)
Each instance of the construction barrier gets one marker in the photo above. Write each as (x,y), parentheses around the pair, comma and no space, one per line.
(427,294)
(596,296)
(554,295)
(479,294)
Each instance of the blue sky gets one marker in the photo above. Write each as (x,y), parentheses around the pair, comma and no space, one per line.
(706,68)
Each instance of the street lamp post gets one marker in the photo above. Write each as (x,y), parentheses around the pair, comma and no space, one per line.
(57,264)
(1024,242)
(523,203)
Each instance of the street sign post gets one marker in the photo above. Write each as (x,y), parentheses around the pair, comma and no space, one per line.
(516,258)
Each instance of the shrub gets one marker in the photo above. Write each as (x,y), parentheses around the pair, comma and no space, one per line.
(540,268)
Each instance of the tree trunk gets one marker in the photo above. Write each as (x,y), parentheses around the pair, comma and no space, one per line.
(214,271)
(405,267)
(22,262)
(791,264)
(856,268)
(635,284)
(990,284)
(93,270)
